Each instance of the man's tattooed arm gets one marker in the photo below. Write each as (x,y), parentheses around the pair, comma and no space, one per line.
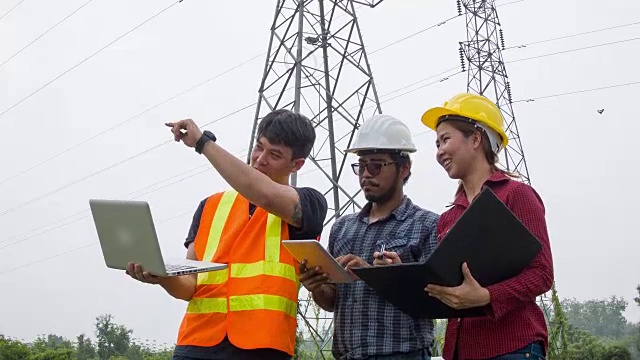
(296,218)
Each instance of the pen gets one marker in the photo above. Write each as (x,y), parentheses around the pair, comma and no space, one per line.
(381,257)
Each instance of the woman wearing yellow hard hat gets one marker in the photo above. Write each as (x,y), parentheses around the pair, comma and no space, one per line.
(470,135)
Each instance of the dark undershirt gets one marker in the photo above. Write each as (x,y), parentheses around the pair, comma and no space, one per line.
(314,211)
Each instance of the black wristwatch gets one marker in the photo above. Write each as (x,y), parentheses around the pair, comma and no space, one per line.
(206,136)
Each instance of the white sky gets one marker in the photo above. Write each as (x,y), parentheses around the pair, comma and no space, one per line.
(576,157)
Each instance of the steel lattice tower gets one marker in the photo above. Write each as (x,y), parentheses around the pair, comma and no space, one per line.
(487,74)
(482,53)
(316,65)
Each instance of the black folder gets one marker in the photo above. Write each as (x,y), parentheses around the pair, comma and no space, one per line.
(488,237)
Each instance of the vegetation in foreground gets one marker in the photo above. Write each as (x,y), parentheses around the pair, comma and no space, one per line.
(595,329)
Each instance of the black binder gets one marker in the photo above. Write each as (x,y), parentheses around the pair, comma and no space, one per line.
(488,237)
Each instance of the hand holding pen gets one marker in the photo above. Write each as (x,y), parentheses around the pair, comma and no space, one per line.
(384,257)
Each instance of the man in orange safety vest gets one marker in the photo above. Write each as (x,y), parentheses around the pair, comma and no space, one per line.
(247,311)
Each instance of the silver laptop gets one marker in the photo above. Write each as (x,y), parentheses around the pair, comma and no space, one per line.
(127,234)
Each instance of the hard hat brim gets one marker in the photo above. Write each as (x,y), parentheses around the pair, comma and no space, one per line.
(381,149)
(431,116)
(430,119)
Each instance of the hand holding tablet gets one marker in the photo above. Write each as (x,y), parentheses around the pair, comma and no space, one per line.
(316,255)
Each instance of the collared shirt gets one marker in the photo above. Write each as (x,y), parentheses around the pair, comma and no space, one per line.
(514,318)
(364,323)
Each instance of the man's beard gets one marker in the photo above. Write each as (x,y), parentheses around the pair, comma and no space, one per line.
(384,197)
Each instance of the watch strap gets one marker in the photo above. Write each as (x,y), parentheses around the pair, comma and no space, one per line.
(204,138)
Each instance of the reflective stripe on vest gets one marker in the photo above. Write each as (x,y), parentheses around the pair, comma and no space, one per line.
(270,266)
(242,302)
(219,219)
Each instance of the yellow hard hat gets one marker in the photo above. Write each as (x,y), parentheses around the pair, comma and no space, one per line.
(471,106)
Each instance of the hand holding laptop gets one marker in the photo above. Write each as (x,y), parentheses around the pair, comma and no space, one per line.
(137,273)
(128,236)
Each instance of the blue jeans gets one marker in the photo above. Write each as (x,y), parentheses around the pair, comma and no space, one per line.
(423,354)
(533,351)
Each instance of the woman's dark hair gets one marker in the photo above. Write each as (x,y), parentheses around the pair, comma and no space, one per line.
(293,130)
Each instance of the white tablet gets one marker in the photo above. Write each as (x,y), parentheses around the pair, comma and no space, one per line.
(317,255)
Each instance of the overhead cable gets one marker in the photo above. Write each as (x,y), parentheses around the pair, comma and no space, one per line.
(86,59)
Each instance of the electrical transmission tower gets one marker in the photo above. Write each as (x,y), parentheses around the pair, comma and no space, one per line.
(316,65)
(487,76)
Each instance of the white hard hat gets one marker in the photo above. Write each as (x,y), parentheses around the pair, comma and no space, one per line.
(383,132)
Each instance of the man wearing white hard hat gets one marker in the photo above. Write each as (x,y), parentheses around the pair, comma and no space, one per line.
(365,325)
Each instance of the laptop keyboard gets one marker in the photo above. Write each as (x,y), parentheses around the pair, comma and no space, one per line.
(174,267)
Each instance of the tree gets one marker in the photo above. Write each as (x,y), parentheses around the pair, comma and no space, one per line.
(599,317)
(297,351)
(85,349)
(57,354)
(637,299)
(113,343)
(438,341)
(13,349)
(44,344)
(112,339)
(557,334)
(616,351)
(582,345)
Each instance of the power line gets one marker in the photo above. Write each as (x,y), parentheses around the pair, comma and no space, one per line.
(162,144)
(85,211)
(250,105)
(573,35)
(77,181)
(573,50)
(418,134)
(80,248)
(203,169)
(126,160)
(429,28)
(173,183)
(255,57)
(423,86)
(510,3)
(10,10)
(172,98)
(386,101)
(125,121)
(88,57)
(415,34)
(118,163)
(419,81)
(44,33)
(578,92)
(444,79)
(48,258)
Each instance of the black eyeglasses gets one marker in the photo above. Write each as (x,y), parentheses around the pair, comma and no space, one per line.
(373,168)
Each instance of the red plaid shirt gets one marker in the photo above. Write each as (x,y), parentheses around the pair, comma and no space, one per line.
(514,319)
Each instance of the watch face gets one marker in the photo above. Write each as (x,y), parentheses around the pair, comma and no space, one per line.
(210,135)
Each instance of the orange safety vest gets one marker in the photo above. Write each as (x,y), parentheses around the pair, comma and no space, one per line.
(254,301)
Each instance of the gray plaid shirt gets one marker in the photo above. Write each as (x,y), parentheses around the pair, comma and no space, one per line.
(364,324)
